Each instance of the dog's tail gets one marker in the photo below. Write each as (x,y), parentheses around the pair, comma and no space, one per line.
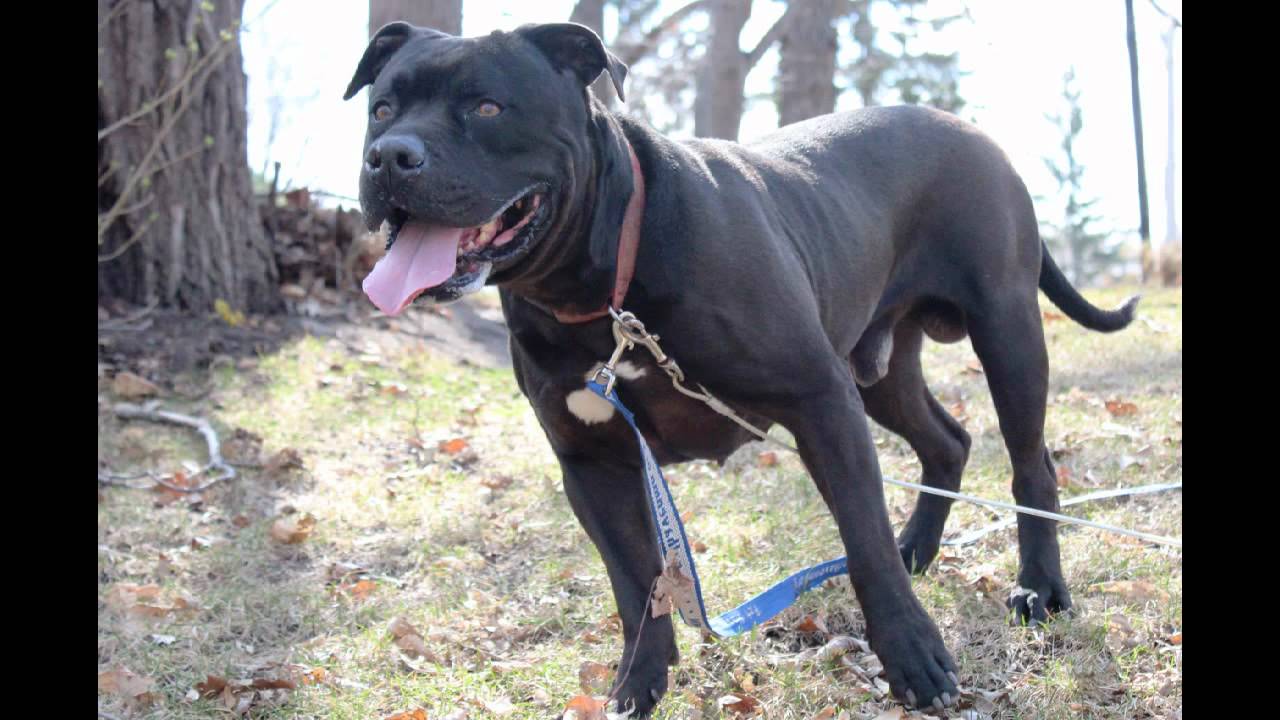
(1055,285)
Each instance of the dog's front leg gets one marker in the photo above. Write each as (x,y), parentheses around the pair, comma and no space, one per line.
(835,443)
(609,501)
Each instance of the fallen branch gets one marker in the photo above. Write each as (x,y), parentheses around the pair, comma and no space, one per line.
(124,322)
(138,412)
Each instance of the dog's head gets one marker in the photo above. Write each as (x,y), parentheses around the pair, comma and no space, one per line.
(475,150)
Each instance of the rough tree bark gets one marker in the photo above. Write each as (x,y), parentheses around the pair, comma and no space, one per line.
(443,15)
(717,111)
(807,60)
(177,222)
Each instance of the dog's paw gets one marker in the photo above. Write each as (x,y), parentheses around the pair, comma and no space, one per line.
(1038,601)
(917,665)
(641,690)
(918,546)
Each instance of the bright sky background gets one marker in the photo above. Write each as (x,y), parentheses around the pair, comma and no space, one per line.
(1016,53)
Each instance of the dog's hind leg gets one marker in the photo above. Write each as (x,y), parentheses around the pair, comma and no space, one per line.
(609,501)
(1009,340)
(901,402)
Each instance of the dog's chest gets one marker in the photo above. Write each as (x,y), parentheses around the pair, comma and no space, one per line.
(676,427)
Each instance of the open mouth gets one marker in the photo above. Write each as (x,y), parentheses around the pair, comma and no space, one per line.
(448,262)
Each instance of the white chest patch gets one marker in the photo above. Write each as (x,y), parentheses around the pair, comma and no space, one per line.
(591,408)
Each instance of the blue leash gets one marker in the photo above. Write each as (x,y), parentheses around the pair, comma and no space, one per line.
(674,551)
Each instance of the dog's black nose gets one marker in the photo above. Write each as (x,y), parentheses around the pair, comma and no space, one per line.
(399,155)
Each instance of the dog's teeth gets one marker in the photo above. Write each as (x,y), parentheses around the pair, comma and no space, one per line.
(487,233)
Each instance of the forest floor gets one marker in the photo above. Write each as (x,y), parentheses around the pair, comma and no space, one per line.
(396,539)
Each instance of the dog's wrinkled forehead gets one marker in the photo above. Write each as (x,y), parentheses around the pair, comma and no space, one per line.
(401,55)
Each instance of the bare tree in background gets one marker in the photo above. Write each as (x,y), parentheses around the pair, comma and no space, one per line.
(443,15)
(177,224)
(671,80)
(805,85)
(1171,234)
(722,74)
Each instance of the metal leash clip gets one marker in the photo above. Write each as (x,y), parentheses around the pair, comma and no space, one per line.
(627,326)
(606,375)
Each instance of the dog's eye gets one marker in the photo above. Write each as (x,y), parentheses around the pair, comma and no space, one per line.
(488,108)
(382,112)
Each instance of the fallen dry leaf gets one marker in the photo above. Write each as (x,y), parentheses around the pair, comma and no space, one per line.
(593,678)
(1175,639)
(212,686)
(1138,591)
(360,589)
(673,589)
(838,646)
(454,446)
(286,459)
(130,386)
(1119,408)
(810,624)
(973,366)
(144,601)
(1050,316)
(584,707)
(409,639)
(826,713)
(982,578)
(767,459)
(291,529)
(133,688)
(243,447)
(739,705)
(122,595)
(699,546)
(892,714)
(497,482)
(418,714)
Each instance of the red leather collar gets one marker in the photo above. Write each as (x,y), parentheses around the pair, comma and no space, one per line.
(628,244)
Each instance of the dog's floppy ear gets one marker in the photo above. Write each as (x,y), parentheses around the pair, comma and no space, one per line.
(382,46)
(577,48)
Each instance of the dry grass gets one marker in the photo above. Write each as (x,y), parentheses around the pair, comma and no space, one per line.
(485,557)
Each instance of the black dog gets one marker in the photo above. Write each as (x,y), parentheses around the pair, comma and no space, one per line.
(794,277)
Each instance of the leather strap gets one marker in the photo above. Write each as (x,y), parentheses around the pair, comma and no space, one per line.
(628,245)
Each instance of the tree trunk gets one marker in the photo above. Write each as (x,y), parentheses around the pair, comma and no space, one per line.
(1171,235)
(591,14)
(176,213)
(723,73)
(442,15)
(807,61)
(1144,227)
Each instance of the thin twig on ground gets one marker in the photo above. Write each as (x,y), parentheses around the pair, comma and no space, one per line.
(125,322)
(138,412)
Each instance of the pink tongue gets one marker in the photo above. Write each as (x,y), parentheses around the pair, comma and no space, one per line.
(422,257)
